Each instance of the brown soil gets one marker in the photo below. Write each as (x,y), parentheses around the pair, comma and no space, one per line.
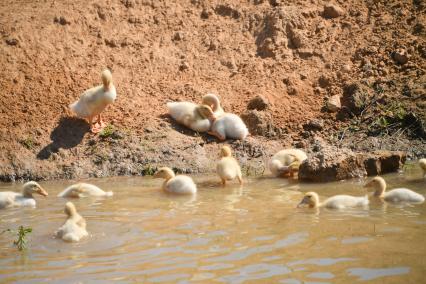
(296,54)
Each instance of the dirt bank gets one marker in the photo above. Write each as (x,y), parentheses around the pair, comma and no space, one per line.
(296,54)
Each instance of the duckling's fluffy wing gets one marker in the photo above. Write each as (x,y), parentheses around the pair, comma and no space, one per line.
(180,110)
(231,126)
(346,201)
(71,231)
(93,101)
(403,195)
(181,185)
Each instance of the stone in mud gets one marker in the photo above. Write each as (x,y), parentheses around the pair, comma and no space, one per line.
(314,125)
(258,103)
(400,56)
(333,164)
(332,11)
(333,103)
(355,97)
(258,122)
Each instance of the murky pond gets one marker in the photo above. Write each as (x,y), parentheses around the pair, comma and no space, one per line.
(232,235)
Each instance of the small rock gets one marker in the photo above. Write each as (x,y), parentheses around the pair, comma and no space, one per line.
(129,3)
(259,123)
(184,66)
(400,56)
(314,125)
(206,13)
(178,36)
(333,103)
(332,11)
(258,103)
(12,41)
(324,81)
(111,42)
(61,20)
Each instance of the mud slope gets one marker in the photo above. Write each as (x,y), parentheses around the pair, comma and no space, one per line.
(296,54)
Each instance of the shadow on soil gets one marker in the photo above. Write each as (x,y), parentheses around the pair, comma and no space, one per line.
(68,134)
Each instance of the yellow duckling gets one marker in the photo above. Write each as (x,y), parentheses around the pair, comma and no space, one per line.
(26,198)
(188,114)
(228,168)
(286,162)
(226,126)
(422,164)
(180,184)
(212,101)
(93,101)
(335,202)
(84,189)
(74,227)
(395,195)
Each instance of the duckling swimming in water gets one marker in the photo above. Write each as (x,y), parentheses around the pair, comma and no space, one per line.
(285,163)
(93,101)
(26,198)
(422,164)
(335,202)
(226,126)
(84,189)
(74,227)
(228,168)
(395,195)
(180,184)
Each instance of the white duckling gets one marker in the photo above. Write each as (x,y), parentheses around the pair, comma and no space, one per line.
(286,162)
(180,184)
(93,101)
(335,202)
(12,199)
(213,101)
(226,126)
(188,114)
(84,189)
(422,164)
(74,227)
(395,195)
(228,168)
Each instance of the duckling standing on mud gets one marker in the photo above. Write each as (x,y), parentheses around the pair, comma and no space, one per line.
(228,168)
(74,227)
(188,114)
(93,101)
(226,126)
(180,184)
(285,163)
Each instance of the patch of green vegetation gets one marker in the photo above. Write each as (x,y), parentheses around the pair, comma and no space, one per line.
(148,170)
(28,142)
(108,131)
(22,233)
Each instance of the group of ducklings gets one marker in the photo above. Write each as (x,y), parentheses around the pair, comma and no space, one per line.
(284,163)
(209,117)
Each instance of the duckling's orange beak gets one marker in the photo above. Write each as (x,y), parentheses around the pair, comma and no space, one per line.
(42,192)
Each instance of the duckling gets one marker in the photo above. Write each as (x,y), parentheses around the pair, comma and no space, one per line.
(286,162)
(93,101)
(188,114)
(12,199)
(226,126)
(228,168)
(213,101)
(180,184)
(422,164)
(395,195)
(84,189)
(335,202)
(74,227)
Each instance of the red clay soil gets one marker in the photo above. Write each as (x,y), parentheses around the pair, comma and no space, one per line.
(295,54)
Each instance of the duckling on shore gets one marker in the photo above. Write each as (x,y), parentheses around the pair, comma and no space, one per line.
(26,198)
(397,195)
(228,168)
(74,227)
(188,114)
(285,163)
(84,189)
(226,126)
(94,101)
(335,202)
(180,184)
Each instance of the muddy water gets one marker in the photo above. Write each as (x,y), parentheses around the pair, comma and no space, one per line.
(231,235)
